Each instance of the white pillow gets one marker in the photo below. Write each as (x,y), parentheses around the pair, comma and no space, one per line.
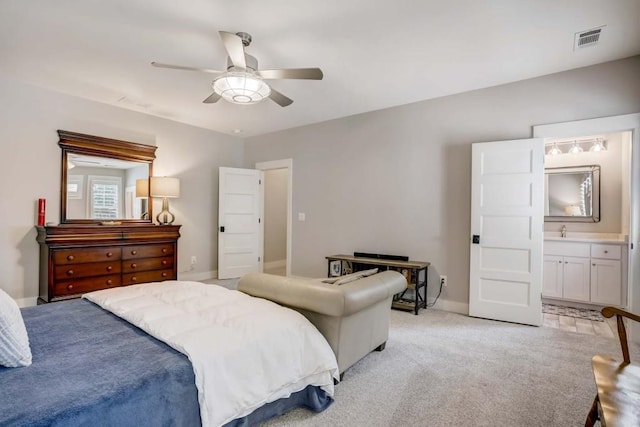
(355,276)
(14,342)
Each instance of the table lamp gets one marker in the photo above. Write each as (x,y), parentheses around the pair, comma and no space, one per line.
(142,191)
(166,188)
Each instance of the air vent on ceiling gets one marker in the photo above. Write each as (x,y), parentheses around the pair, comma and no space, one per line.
(587,38)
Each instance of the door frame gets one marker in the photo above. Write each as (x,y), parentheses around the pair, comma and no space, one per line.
(622,123)
(282,164)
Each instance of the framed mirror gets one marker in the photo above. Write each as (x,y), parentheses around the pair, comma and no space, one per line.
(104,180)
(572,194)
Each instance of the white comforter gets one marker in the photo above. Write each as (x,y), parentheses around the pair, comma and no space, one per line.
(245,351)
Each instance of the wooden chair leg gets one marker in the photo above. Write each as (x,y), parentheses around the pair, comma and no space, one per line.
(592,417)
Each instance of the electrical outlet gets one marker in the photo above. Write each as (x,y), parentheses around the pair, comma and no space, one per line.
(443,280)
(194,260)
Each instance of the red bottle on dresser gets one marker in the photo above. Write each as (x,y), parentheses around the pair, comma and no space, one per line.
(41,211)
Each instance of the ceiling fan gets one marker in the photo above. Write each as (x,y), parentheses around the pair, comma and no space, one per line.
(242,82)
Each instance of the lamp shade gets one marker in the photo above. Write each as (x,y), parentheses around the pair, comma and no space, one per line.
(165,187)
(142,188)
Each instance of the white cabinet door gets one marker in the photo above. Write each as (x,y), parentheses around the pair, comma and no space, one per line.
(575,278)
(552,276)
(606,282)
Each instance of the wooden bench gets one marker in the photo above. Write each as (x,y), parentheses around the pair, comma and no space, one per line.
(618,400)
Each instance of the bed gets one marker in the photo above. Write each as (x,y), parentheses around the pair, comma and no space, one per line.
(91,365)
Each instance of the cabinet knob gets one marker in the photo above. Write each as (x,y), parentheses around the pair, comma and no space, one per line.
(70,272)
(134,265)
(164,262)
(606,252)
(109,254)
(69,287)
(134,252)
(134,279)
(164,274)
(559,262)
(70,257)
(566,262)
(109,268)
(164,250)
(109,282)
(593,265)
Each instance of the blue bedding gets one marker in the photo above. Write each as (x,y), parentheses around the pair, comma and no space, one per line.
(92,368)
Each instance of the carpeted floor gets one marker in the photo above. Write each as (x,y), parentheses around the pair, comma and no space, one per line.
(445,369)
(580,313)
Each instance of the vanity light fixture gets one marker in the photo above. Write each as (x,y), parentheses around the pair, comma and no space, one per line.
(555,150)
(166,188)
(598,145)
(575,149)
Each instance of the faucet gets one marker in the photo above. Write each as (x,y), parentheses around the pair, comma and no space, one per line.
(563,231)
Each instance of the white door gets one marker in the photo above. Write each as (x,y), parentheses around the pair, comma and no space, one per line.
(606,282)
(239,223)
(576,280)
(507,231)
(552,276)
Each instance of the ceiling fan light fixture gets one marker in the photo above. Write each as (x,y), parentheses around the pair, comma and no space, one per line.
(241,87)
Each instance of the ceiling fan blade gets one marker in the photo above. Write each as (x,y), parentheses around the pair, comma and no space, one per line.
(292,73)
(235,49)
(214,97)
(181,67)
(279,98)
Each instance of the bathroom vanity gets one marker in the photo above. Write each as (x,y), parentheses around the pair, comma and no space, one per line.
(586,268)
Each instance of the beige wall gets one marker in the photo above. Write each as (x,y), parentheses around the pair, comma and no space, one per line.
(275,215)
(398,180)
(30,169)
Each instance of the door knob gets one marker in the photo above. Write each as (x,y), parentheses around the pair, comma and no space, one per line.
(475,239)
(222,229)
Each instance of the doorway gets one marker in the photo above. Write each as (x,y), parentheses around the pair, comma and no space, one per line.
(629,223)
(277,208)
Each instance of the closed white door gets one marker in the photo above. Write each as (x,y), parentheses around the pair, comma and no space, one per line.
(240,230)
(606,282)
(507,231)
(552,276)
(576,278)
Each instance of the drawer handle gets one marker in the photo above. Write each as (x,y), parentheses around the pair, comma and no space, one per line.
(559,262)
(109,282)
(164,250)
(70,272)
(70,257)
(134,265)
(134,252)
(566,262)
(69,287)
(164,274)
(109,268)
(593,265)
(606,252)
(134,279)
(109,254)
(164,262)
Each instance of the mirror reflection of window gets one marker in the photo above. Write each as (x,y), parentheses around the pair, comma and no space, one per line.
(104,197)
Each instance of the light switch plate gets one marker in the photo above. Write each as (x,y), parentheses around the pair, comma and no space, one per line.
(302,216)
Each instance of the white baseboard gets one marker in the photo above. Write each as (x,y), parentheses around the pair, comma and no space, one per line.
(27,302)
(196,276)
(274,264)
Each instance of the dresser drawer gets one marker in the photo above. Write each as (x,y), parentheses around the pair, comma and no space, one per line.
(131,265)
(147,251)
(148,276)
(70,271)
(76,256)
(605,251)
(87,284)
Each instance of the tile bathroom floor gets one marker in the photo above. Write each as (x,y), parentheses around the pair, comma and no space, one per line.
(580,326)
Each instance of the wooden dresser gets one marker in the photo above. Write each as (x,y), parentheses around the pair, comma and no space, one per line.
(75,259)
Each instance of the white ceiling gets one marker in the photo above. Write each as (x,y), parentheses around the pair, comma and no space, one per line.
(375,54)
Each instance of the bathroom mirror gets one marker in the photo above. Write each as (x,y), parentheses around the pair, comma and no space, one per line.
(572,194)
(99,177)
